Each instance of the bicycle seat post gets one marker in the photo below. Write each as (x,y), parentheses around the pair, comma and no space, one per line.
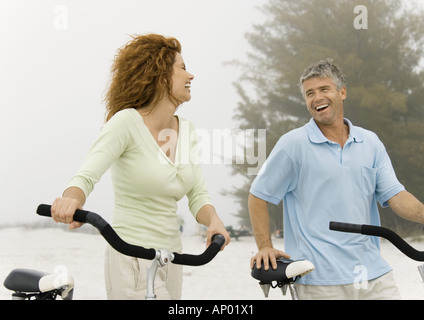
(293,291)
(162,258)
(421,271)
(290,285)
(265,288)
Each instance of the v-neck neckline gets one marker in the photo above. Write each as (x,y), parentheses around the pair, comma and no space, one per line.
(153,140)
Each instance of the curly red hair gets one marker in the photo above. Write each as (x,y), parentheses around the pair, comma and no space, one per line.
(142,73)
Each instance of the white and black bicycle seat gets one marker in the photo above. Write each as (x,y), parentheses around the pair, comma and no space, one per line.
(286,271)
(29,283)
(283,277)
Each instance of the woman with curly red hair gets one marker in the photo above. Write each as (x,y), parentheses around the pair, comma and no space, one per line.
(149,151)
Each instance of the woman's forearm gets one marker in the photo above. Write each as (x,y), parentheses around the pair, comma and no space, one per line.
(75,193)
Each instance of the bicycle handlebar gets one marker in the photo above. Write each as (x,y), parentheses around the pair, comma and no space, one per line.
(123,247)
(369,230)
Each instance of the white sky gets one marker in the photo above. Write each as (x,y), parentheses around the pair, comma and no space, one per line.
(52,82)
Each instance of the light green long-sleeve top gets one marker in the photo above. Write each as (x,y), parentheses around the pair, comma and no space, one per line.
(146,184)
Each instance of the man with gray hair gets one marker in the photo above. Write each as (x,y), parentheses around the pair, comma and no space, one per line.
(328,170)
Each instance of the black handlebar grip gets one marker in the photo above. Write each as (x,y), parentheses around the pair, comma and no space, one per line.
(79,215)
(395,239)
(44,210)
(378,231)
(345,227)
(218,241)
(125,248)
(106,231)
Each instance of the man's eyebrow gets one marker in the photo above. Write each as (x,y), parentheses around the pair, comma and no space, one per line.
(319,88)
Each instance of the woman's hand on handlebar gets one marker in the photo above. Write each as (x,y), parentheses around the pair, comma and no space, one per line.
(208,217)
(63,210)
(217,227)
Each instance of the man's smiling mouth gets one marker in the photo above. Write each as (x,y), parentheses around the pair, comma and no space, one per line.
(322,107)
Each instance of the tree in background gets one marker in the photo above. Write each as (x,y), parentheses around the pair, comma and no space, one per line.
(378,45)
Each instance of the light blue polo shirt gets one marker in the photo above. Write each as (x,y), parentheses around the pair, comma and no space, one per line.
(320,182)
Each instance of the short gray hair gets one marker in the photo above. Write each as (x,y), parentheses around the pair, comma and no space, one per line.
(322,69)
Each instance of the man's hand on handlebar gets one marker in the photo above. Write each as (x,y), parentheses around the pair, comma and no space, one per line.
(267,255)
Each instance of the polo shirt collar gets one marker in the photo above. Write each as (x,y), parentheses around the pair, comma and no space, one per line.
(316,136)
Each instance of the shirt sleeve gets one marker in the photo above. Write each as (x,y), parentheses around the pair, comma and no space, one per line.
(109,145)
(198,195)
(277,176)
(387,184)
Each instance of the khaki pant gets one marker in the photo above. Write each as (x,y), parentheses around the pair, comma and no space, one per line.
(125,278)
(382,288)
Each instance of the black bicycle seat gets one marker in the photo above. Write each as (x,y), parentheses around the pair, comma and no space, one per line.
(33,282)
(287,271)
(24,280)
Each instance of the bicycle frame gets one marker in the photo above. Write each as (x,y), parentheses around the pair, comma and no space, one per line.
(162,258)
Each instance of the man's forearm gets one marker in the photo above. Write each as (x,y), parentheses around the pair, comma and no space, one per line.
(408,207)
(259,217)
